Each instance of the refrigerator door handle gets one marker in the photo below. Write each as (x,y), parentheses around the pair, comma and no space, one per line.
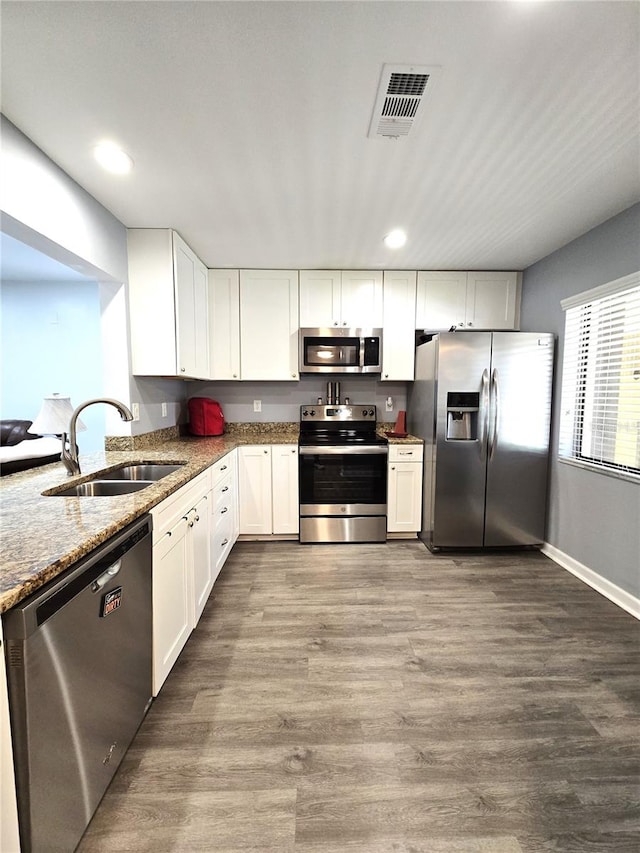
(494,394)
(484,396)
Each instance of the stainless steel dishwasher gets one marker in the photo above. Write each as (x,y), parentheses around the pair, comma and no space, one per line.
(79,671)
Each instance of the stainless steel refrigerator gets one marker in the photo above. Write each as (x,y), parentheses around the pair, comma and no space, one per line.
(482,403)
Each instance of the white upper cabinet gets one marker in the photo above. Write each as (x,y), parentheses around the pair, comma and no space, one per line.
(362,299)
(167,305)
(350,298)
(399,324)
(469,300)
(269,324)
(493,300)
(320,298)
(224,324)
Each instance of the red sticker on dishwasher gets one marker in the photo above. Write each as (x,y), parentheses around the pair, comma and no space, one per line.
(111,601)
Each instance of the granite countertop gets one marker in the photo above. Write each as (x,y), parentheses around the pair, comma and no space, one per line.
(40,535)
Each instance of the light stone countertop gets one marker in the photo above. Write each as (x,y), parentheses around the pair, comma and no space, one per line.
(41,536)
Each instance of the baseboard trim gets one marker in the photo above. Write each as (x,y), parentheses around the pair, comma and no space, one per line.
(610,590)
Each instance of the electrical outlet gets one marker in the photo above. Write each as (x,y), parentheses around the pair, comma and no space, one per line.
(257,405)
(388,404)
(135,411)
(164,410)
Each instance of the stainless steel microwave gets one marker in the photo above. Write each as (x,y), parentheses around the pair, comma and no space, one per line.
(340,350)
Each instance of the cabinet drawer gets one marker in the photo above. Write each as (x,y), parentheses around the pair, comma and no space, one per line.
(167,513)
(221,542)
(224,490)
(222,468)
(405,452)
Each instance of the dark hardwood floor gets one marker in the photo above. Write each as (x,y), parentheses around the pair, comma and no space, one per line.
(380,699)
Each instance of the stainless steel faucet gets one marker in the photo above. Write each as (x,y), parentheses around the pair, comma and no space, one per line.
(70,456)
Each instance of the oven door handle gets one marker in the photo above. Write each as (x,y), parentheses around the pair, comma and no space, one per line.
(342,450)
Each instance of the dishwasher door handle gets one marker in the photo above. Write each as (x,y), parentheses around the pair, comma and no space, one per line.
(105,577)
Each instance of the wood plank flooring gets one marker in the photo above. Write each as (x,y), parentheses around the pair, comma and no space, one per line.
(381,699)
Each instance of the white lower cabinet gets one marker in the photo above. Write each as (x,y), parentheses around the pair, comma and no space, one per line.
(284,483)
(404,488)
(9,837)
(182,577)
(224,511)
(268,488)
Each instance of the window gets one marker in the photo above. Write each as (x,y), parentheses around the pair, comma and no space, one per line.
(600,415)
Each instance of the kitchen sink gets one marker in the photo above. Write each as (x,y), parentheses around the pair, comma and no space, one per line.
(102,488)
(141,471)
(119,481)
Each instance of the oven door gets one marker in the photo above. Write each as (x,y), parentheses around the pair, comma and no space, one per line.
(343,481)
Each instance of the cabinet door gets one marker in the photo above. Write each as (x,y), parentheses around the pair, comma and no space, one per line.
(493,300)
(284,469)
(404,499)
(224,324)
(172,600)
(441,300)
(191,316)
(362,299)
(398,339)
(254,489)
(200,535)
(201,321)
(152,312)
(9,838)
(269,324)
(320,298)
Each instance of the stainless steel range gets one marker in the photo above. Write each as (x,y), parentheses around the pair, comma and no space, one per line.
(343,475)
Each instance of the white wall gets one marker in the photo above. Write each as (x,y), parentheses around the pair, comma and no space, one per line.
(51,343)
(44,208)
(592,517)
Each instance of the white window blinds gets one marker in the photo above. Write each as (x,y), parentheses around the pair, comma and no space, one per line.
(600,413)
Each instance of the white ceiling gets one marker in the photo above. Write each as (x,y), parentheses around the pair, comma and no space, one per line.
(248,123)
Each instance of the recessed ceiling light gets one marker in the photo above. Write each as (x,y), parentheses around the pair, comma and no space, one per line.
(112,158)
(395,239)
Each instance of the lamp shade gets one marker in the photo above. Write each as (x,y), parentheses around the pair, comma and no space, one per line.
(54,416)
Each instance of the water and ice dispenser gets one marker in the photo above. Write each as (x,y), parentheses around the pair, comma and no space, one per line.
(462,415)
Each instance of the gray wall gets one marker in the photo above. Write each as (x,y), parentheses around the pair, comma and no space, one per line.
(281,401)
(592,517)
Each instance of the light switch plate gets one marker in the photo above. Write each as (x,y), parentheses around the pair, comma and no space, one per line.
(164,410)
(257,405)
(135,411)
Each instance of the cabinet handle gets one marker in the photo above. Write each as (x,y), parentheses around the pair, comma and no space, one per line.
(335,323)
(225,489)
(235,375)
(223,468)
(386,376)
(182,370)
(197,518)
(168,533)
(223,543)
(293,375)
(265,451)
(224,509)
(293,450)
(393,467)
(469,324)
(344,322)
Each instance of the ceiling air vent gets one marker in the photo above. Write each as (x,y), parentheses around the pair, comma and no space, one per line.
(399,99)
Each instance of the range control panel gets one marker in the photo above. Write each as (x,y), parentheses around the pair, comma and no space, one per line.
(338,412)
